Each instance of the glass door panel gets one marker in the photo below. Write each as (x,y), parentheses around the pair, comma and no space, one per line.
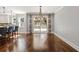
(39,24)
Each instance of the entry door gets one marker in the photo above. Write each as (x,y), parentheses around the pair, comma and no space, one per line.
(40,24)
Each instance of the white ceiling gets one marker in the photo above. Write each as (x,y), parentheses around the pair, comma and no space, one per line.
(27,9)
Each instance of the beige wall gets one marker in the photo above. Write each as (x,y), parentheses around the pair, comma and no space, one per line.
(4,18)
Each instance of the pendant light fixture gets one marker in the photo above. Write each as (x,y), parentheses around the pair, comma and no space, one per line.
(3,9)
(40,13)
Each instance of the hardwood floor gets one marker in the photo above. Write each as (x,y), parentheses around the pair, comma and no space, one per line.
(61,46)
(24,43)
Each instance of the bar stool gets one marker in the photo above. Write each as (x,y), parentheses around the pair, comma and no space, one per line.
(3,37)
(15,30)
(10,34)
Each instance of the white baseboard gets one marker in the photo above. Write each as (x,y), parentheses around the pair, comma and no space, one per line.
(68,42)
(22,32)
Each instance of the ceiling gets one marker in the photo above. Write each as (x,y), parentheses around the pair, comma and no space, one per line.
(28,9)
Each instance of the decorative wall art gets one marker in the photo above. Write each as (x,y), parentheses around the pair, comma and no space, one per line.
(22,19)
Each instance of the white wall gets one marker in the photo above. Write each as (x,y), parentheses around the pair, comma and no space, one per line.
(4,18)
(23,27)
(67,24)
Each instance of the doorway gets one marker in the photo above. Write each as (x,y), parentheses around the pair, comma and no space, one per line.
(40,24)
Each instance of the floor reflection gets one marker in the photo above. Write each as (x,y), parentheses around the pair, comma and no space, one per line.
(20,44)
(40,41)
(24,43)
